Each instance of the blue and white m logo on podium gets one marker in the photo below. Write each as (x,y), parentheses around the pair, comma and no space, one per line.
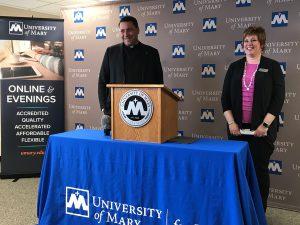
(207,115)
(242,3)
(77,202)
(79,92)
(178,51)
(124,11)
(151,29)
(209,24)
(15,28)
(178,6)
(79,126)
(78,55)
(100,32)
(78,16)
(280,19)
(275,167)
(180,133)
(239,50)
(208,70)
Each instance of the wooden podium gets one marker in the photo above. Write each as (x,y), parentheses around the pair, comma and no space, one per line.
(162,125)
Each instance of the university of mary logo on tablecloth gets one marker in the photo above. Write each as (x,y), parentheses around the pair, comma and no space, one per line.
(136,108)
(77,202)
(96,209)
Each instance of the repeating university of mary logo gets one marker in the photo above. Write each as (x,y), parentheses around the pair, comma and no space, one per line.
(178,51)
(283,68)
(179,6)
(179,92)
(150,29)
(78,16)
(100,32)
(124,10)
(281,119)
(207,115)
(280,19)
(136,108)
(239,50)
(275,167)
(208,70)
(79,92)
(79,55)
(243,3)
(209,24)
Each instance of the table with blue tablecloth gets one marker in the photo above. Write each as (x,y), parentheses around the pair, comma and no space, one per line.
(87,178)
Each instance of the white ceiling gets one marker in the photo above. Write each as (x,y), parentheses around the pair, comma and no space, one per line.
(51,7)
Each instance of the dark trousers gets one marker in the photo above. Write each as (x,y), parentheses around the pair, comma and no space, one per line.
(261,149)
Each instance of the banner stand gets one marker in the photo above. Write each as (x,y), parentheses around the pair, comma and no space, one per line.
(32,91)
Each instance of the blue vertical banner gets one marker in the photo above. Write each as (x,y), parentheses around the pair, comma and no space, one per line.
(32,91)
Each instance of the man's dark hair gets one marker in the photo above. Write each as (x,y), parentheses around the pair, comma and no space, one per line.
(130,19)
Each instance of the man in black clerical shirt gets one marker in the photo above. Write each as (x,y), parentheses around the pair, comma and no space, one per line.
(130,62)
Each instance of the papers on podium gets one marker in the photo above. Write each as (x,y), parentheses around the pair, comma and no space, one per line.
(246,132)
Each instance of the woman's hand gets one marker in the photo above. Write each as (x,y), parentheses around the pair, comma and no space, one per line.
(261,131)
(234,129)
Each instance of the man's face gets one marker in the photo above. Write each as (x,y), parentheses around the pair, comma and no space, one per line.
(129,33)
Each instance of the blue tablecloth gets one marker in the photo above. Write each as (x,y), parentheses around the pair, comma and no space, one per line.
(88,178)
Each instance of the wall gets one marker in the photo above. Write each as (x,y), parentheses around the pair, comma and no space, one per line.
(8,11)
(197,40)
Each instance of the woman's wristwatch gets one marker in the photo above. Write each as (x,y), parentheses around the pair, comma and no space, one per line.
(231,122)
(266,125)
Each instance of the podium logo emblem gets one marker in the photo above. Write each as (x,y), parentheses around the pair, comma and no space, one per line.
(79,126)
(77,202)
(135,108)
(180,133)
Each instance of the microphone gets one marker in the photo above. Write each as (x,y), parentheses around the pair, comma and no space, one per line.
(105,124)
